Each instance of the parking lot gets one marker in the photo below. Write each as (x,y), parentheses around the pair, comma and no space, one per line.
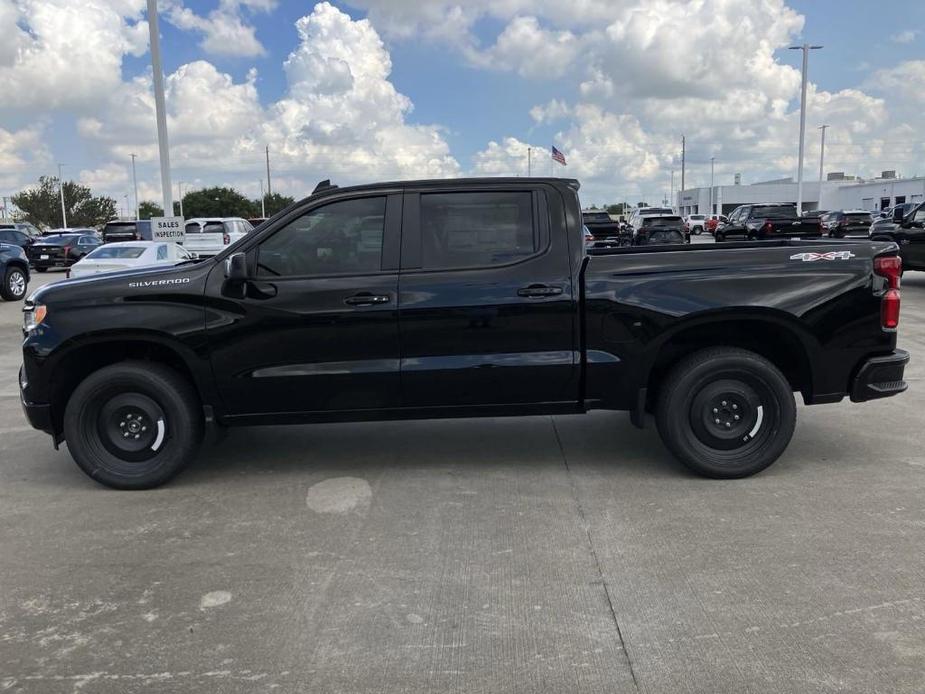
(545,554)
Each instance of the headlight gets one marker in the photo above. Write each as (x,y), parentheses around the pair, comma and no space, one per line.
(32,316)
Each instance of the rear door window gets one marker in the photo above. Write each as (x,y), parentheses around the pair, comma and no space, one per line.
(463,230)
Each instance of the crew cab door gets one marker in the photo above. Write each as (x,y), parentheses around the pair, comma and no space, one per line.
(314,328)
(487,309)
(912,239)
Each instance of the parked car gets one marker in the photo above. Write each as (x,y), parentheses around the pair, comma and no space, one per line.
(132,230)
(61,250)
(606,232)
(14,272)
(128,255)
(697,223)
(27,228)
(908,231)
(16,237)
(846,224)
(208,236)
(256,221)
(501,313)
(767,221)
(661,229)
(634,221)
(887,219)
(715,220)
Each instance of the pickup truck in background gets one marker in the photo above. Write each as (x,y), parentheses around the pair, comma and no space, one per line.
(907,230)
(767,221)
(606,232)
(459,298)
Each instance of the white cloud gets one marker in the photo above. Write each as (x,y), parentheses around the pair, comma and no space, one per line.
(907,36)
(64,54)
(225,31)
(340,117)
(529,49)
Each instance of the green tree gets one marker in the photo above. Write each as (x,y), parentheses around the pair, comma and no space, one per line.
(42,205)
(218,202)
(274,203)
(148,209)
(618,208)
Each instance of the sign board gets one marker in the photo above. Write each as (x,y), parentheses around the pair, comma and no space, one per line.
(168,229)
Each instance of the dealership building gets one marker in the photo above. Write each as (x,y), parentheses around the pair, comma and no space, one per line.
(838,192)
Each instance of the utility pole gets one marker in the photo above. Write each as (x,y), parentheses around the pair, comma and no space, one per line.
(180,195)
(269,187)
(806,48)
(529,161)
(135,184)
(160,107)
(712,211)
(263,201)
(683,153)
(61,190)
(672,189)
(821,158)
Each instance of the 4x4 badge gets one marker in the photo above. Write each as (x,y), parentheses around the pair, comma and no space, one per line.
(831,255)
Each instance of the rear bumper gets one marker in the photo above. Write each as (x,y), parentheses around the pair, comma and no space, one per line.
(880,377)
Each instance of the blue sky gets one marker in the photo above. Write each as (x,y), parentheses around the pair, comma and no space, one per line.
(468,92)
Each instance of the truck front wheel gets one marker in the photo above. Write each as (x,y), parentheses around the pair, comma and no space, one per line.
(133,425)
(726,412)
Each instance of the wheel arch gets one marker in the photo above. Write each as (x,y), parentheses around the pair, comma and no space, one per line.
(80,359)
(774,335)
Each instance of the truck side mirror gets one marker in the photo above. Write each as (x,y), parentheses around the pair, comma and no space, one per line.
(898,215)
(236,267)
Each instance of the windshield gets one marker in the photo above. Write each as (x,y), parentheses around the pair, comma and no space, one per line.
(775,212)
(596,216)
(117,228)
(117,252)
(858,217)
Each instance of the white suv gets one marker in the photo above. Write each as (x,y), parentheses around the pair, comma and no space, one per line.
(208,236)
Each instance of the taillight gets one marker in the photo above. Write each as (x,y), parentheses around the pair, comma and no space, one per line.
(767,227)
(226,238)
(890,267)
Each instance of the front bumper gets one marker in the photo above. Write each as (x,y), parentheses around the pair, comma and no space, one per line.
(38,414)
(880,377)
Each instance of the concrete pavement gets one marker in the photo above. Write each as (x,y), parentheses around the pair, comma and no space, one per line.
(566,554)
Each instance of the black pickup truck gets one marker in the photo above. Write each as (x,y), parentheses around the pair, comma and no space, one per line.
(606,232)
(767,221)
(458,298)
(907,230)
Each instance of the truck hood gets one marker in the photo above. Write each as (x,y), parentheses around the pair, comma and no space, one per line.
(120,282)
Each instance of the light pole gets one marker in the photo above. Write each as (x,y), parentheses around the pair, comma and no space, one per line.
(821,159)
(159,107)
(263,201)
(529,161)
(61,190)
(135,184)
(806,48)
(672,189)
(712,211)
(180,195)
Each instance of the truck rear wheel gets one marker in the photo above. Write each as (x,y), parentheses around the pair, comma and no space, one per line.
(726,412)
(133,425)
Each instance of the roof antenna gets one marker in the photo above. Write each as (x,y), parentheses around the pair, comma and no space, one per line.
(324,185)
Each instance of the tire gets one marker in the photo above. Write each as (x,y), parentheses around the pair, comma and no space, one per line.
(720,238)
(698,231)
(14,284)
(41,269)
(152,406)
(722,383)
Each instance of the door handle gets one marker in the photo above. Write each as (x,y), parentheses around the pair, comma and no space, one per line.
(539,290)
(367,299)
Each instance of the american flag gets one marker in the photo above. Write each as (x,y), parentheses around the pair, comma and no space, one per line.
(558,156)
